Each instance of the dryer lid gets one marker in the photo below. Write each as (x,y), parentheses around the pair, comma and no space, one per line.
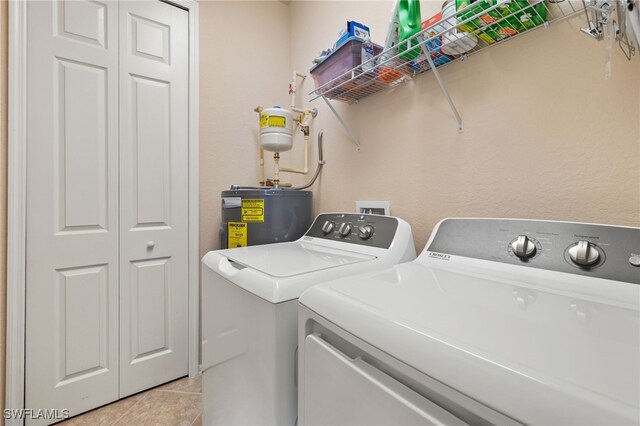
(289,259)
(514,339)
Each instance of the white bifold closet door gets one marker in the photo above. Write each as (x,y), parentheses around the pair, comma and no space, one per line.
(107,167)
(154,53)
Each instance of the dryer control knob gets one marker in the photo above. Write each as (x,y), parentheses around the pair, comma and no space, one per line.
(345,229)
(523,247)
(584,253)
(327,227)
(365,232)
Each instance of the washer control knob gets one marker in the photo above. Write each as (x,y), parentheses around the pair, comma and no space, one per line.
(327,227)
(344,229)
(523,247)
(635,260)
(584,253)
(365,232)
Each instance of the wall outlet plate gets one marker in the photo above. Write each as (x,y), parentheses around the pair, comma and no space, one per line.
(373,207)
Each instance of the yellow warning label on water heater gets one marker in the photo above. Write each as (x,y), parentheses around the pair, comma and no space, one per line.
(267,120)
(253,210)
(236,234)
(277,121)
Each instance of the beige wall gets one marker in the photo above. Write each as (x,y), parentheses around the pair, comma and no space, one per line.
(244,62)
(546,136)
(3,192)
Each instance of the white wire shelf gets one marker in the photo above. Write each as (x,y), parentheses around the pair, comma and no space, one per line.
(469,31)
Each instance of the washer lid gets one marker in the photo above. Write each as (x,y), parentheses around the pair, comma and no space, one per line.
(519,341)
(292,258)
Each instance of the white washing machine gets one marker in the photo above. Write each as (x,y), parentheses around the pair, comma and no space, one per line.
(496,322)
(249,310)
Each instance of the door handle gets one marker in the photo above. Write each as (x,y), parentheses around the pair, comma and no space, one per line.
(151,245)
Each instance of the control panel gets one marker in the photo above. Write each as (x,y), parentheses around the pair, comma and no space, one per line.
(364,229)
(609,252)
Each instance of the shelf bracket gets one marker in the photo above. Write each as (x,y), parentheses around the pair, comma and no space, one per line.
(352,136)
(427,53)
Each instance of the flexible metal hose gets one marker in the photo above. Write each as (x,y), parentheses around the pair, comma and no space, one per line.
(320,164)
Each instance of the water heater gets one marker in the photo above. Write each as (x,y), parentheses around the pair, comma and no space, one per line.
(252,216)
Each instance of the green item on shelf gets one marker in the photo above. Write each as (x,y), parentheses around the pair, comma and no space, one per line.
(409,22)
(490,35)
(509,18)
(527,21)
(478,25)
(509,26)
(523,11)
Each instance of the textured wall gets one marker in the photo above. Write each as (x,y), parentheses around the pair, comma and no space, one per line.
(244,62)
(546,136)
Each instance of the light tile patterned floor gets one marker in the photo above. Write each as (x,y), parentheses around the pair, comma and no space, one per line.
(175,403)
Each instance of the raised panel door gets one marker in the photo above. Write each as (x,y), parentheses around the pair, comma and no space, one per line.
(153,194)
(72,206)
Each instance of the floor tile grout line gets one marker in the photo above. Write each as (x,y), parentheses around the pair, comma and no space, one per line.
(144,395)
(196,418)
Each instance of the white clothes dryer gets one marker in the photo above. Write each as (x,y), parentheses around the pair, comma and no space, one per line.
(496,322)
(249,310)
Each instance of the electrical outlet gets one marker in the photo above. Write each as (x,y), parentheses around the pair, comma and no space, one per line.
(373,207)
